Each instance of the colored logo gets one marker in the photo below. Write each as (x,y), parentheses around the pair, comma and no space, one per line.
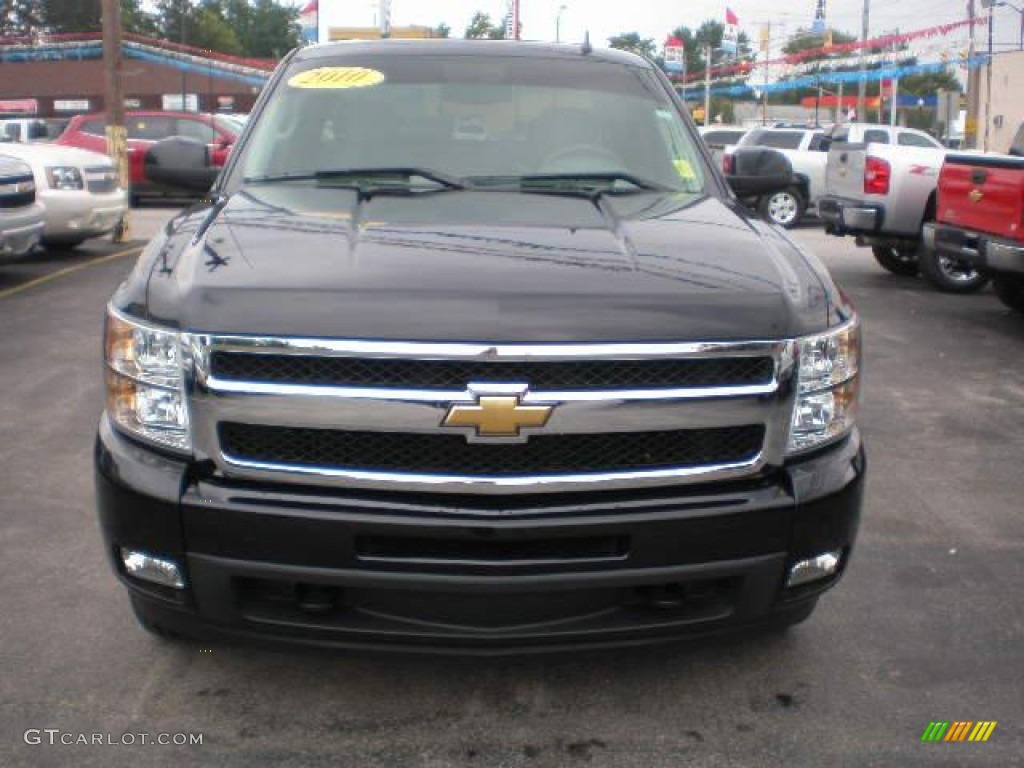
(497,415)
(960,730)
(975,195)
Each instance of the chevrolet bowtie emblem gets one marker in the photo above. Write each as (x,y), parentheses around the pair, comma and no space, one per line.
(975,195)
(497,416)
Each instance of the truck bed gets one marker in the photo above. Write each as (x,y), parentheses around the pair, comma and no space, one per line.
(983,193)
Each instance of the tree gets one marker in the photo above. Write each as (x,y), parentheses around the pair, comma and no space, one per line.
(20,18)
(60,16)
(929,83)
(137,21)
(808,40)
(273,30)
(212,31)
(632,42)
(481,27)
(252,28)
(710,32)
(442,30)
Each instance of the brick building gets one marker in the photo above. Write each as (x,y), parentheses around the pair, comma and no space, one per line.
(53,82)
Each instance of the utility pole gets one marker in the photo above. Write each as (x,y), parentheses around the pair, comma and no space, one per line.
(988,78)
(707,85)
(973,88)
(181,20)
(862,85)
(117,134)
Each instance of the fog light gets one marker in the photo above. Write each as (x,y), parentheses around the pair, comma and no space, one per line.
(820,567)
(141,565)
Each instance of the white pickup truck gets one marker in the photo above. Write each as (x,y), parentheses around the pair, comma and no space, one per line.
(881,188)
(806,150)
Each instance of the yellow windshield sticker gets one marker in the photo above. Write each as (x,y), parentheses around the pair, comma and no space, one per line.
(684,169)
(337,78)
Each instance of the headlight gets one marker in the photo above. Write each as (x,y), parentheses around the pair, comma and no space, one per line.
(65,178)
(828,390)
(145,382)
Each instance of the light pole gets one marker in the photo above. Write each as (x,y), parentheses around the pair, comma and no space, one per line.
(1019,10)
(990,5)
(558,23)
(181,20)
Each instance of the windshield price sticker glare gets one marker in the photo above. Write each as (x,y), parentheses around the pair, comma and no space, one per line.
(337,78)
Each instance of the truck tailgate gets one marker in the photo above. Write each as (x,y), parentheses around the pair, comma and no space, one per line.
(983,193)
(844,171)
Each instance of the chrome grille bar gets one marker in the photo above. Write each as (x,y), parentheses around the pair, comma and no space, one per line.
(420,411)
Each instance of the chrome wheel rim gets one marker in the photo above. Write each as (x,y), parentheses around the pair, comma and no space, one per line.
(782,208)
(956,270)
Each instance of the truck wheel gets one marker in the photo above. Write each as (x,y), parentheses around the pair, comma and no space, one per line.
(950,274)
(784,208)
(1010,291)
(901,260)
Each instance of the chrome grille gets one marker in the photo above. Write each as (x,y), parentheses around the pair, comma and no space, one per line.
(17,191)
(100,180)
(370,414)
(450,453)
(558,376)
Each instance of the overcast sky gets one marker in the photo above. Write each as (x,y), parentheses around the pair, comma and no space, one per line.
(655,18)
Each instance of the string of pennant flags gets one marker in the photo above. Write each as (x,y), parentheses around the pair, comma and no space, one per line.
(812,81)
(790,61)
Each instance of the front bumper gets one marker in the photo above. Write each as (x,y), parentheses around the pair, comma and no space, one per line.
(850,217)
(985,252)
(20,232)
(78,215)
(472,575)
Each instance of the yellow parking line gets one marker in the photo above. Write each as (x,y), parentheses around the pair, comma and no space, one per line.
(68,270)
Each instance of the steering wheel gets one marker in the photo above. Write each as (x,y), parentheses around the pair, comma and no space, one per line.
(581,158)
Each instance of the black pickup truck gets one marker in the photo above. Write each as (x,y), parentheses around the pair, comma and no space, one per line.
(471,349)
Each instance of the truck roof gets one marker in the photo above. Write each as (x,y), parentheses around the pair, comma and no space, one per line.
(482,48)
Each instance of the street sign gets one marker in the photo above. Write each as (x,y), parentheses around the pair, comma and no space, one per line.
(675,55)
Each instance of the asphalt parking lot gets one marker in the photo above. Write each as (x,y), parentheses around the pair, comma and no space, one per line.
(927,625)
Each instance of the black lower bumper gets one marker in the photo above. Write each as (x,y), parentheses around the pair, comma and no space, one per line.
(444,574)
(850,217)
(984,252)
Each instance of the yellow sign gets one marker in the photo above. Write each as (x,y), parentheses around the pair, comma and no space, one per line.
(498,416)
(337,78)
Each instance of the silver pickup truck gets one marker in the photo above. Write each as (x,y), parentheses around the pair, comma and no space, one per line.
(880,187)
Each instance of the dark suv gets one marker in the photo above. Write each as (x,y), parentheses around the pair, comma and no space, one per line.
(472,349)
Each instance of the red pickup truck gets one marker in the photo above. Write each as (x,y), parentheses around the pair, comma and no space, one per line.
(980,217)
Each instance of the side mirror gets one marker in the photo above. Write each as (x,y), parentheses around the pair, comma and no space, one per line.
(758,171)
(182,163)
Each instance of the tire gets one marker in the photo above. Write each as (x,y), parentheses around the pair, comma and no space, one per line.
(1010,290)
(785,208)
(901,260)
(951,275)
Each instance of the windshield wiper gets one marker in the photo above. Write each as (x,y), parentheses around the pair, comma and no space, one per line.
(400,178)
(589,184)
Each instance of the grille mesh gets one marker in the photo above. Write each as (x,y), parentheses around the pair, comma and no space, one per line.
(452,454)
(451,375)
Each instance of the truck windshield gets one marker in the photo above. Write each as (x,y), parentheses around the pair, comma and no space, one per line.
(485,120)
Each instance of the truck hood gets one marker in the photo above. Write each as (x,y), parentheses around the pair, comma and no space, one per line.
(300,260)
